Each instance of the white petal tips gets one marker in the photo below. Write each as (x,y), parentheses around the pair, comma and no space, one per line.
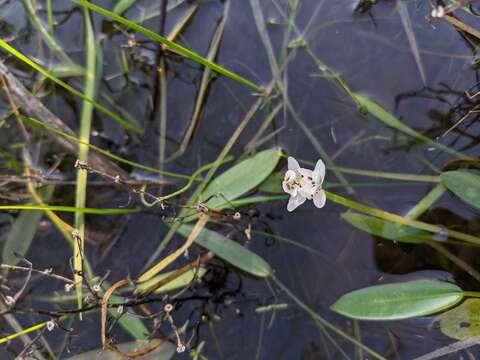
(319,199)
(292,164)
(295,201)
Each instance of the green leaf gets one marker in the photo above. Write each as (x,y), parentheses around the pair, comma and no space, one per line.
(464,184)
(241,178)
(273,183)
(20,236)
(463,322)
(386,229)
(230,251)
(164,352)
(22,233)
(399,300)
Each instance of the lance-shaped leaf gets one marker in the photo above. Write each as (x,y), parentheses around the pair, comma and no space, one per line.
(230,251)
(241,178)
(399,301)
(464,184)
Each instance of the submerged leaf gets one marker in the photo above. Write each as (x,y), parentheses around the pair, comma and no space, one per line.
(164,352)
(22,233)
(463,322)
(386,229)
(389,119)
(464,184)
(241,178)
(399,301)
(20,236)
(230,251)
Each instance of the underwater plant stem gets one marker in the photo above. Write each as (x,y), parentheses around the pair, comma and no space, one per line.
(442,250)
(171,45)
(324,322)
(188,184)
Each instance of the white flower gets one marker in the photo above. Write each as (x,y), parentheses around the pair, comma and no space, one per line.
(303,184)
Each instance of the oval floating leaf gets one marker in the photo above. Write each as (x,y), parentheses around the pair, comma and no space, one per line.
(399,301)
(464,184)
(230,251)
(386,229)
(463,322)
(241,178)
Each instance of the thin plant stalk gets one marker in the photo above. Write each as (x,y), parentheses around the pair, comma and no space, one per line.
(85,125)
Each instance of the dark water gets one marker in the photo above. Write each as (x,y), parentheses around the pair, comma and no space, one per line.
(371,52)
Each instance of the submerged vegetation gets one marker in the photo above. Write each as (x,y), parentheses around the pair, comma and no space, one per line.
(149,174)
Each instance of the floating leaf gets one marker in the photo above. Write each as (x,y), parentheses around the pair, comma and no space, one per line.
(399,301)
(164,352)
(241,178)
(386,229)
(230,251)
(463,322)
(464,184)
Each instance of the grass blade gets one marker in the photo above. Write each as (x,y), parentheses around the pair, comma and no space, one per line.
(56,80)
(85,125)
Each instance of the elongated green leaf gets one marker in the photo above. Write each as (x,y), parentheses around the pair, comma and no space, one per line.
(464,184)
(386,229)
(399,301)
(22,233)
(391,120)
(170,44)
(462,322)
(20,236)
(164,352)
(241,178)
(49,75)
(230,251)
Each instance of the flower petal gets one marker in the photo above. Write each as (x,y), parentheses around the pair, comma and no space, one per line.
(295,201)
(319,171)
(305,172)
(307,190)
(292,164)
(319,199)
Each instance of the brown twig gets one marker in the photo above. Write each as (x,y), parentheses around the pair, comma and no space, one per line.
(33,107)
